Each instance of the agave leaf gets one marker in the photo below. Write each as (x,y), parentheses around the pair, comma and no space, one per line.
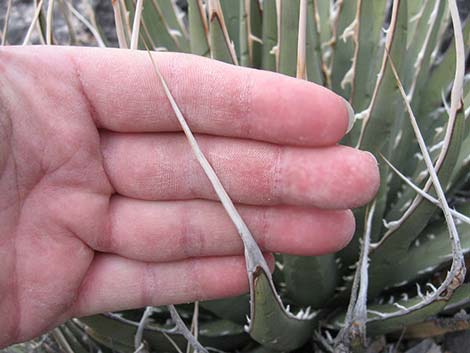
(460,299)
(383,116)
(426,25)
(219,328)
(269,36)
(466,94)
(389,325)
(344,46)
(77,338)
(220,44)
(438,326)
(416,72)
(278,274)
(314,51)
(23,348)
(370,19)
(71,339)
(458,216)
(429,252)
(386,104)
(235,309)
(386,326)
(287,41)
(255,33)
(435,149)
(386,109)
(462,166)
(310,280)
(198,28)
(261,349)
(415,13)
(244,33)
(445,171)
(365,63)
(119,335)
(420,173)
(324,20)
(270,324)
(250,34)
(155,27)
(353,333)
(223,334)
(173,17)
(113,334)
(456,275)
(398,240)
(423,59)
(437,85)
(399,236)
(231,11)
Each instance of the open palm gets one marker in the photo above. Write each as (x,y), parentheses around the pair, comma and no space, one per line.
(103,206)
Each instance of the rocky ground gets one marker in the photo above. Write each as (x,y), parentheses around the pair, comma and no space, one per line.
(23,11)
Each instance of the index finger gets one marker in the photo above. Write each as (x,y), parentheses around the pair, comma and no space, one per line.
(125,95)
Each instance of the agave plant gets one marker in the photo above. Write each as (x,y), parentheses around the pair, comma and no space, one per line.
(393,62)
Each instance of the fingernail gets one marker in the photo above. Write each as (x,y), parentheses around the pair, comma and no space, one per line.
(371,155)
(351,114)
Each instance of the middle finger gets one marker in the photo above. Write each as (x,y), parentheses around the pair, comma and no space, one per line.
(163,167)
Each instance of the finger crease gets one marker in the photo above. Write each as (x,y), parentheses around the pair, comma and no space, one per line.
(263,236)
(148,281)
(81,89)
(185,244)
(276,180)
(196,284)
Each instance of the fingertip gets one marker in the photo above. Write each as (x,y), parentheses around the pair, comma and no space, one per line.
(367,181)
(337,114)
(331,232)
(349,229)
(351,115)
(372,179)
(298,112)
(342,229)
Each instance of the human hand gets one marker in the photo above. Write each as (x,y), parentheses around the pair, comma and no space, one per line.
(104,206)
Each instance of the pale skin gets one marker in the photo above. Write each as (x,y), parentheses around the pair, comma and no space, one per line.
(104,207)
